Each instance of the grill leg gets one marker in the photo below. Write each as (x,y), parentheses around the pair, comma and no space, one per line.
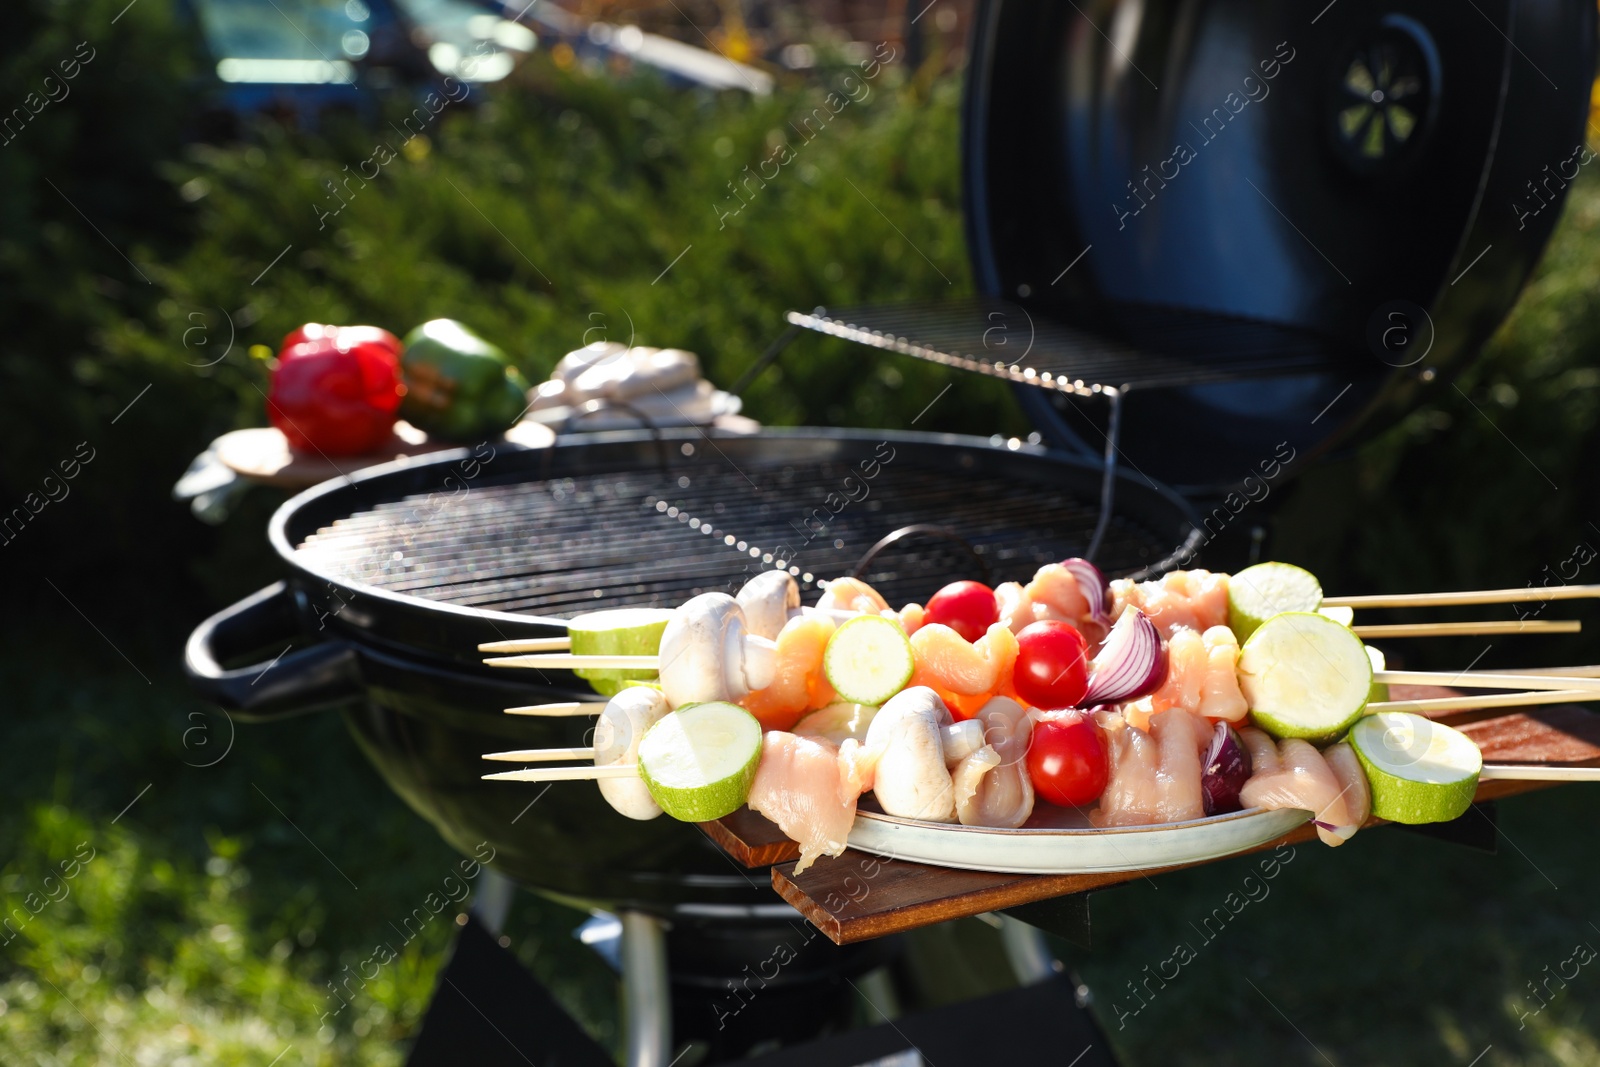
(1028,952)
(491,903)
(646,992)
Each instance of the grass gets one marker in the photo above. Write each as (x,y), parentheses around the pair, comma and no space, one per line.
(203,926)
(1392,949)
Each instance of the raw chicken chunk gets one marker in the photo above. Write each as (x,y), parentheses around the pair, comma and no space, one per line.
(1202,676)
(946,661)
(1193,600)
(1155,776)
(1302,779)
(809,788)
(798,684)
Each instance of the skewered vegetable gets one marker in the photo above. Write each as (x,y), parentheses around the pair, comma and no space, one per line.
(1068,761)
(869,659)
(1131,664)
(1304,676)
(621,728)
(1419,770)
(700,761)
(949,741)
(1052,666)
(906,746)
(1257,593)
(707,653)
(767,601)
(968,608)
(618,632)
(1224,770)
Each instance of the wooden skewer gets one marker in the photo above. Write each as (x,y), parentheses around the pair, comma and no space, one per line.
(566,661)
(1463,629)
(1527,594)
(539,755)
(589,707)
(531,644)
(1560,672)
(564,774)
(1493,700)
(1535,773)
(1487,680)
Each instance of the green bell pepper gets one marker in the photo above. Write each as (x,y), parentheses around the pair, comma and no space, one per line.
(459,387)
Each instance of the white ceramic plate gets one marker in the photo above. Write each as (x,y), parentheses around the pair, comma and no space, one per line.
(1061,841)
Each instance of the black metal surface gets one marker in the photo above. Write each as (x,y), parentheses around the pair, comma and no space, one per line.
(397,573)
(1040,1024)
(1280,208)
(292,683)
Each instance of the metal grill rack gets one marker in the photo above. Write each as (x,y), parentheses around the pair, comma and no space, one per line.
(1163,347)
(565,545)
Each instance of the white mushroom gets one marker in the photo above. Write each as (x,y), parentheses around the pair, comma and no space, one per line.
(767,599)
(708,654)
(906,743)
(617,734)
(960,740)
(992,787)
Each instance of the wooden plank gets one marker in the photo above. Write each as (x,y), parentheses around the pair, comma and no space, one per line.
(848,902)
(752,839)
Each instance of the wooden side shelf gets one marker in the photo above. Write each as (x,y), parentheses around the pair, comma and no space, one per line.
(858,896)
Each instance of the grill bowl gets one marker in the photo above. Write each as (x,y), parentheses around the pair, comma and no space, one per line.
(397,573)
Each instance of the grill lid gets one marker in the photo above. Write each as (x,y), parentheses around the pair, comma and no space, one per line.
(1279,222)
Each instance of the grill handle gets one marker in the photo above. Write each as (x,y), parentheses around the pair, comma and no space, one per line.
(306,679)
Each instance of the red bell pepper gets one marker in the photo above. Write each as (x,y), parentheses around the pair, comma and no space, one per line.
(336,388)
(345,335)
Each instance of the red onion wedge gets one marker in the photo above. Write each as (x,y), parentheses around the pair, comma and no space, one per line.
(1223,771)
(1094,587)
(1131,664)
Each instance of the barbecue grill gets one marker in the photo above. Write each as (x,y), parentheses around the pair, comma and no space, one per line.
(1330,250)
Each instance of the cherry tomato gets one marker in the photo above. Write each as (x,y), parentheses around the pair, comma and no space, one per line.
(1052,669)
(968,608)
(1068,760)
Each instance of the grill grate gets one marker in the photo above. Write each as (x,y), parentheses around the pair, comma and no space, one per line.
(1164,347)
(644,537)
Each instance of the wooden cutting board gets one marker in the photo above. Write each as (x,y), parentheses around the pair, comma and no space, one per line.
(857,896)
(263,454)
